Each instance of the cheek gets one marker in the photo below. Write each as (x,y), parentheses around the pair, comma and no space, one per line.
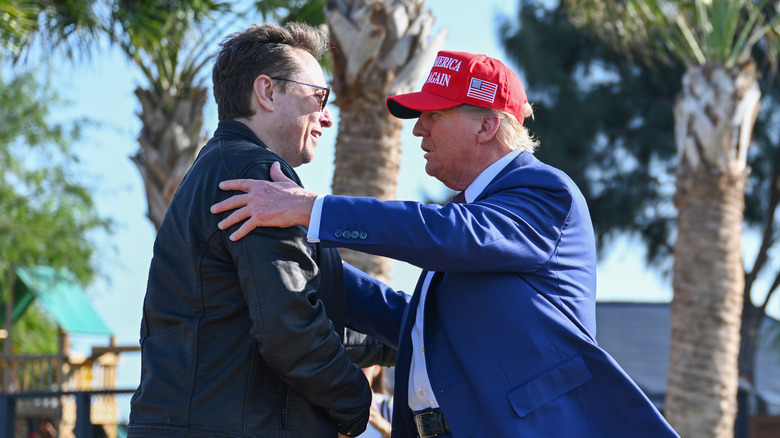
(450,149)
(438,164)
(295,127)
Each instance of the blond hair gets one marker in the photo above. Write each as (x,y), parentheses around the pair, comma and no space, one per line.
(511,132)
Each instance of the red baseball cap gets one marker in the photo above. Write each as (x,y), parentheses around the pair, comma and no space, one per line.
(459,77)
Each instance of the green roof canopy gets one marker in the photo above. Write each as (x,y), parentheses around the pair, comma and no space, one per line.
(60,296)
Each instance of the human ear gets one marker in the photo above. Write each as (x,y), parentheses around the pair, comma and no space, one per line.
(488,129)
(263,92)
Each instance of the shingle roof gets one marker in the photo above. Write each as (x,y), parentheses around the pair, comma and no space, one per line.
(637,336)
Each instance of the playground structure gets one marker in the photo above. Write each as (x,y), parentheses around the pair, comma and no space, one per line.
(67,394)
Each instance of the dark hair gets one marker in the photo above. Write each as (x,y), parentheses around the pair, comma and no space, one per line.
(261,49)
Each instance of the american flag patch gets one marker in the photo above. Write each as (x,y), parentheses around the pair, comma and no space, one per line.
(482,90)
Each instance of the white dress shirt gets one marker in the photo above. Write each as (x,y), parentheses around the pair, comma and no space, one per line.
(421,394)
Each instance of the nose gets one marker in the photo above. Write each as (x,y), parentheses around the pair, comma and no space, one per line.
(326,120)
(419,129)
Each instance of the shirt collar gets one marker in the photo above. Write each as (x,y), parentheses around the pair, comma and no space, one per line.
(240,129)
(483,179)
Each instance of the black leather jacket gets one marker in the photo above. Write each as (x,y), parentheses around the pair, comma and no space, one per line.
(235,338)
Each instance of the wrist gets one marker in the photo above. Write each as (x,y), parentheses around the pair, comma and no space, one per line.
(305,208)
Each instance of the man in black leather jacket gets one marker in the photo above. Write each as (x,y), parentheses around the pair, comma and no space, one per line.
(235,337)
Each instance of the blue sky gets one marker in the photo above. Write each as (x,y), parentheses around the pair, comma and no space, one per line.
(102,89)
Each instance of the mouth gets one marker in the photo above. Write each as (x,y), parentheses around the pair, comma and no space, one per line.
(427,151)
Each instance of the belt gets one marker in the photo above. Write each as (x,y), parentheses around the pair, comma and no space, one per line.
(431,423)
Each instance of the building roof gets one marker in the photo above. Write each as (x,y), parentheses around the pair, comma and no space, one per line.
(637,336)
(61,298)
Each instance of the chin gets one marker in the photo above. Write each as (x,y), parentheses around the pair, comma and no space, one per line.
(430,170)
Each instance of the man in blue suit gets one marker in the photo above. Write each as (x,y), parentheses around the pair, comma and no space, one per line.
(499,337)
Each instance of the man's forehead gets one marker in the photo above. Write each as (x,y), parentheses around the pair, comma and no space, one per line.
(309,66)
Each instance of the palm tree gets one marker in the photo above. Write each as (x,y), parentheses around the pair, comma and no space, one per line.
(714,117)
(382,48)
(164,41)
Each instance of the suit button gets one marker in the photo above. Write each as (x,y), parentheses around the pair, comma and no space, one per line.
(337,233)
(363,235)
(355,234)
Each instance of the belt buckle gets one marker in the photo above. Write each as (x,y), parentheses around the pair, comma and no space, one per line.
(418,423)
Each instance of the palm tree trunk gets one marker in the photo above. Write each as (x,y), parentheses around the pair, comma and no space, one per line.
(170,138)
(381,49)
(367,159)
(714,118)
(708,285)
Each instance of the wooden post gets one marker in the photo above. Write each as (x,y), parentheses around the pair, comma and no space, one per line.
(64,346)
(7,414)
(83,427)
(9,321)
(9,312)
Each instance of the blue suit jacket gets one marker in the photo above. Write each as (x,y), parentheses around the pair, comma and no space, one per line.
(510,314)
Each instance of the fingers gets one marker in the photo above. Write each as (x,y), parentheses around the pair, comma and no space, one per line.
(257,197)
(276,173)
(234,218)
(242,231)
(231,203)
(246,185)
(243,185)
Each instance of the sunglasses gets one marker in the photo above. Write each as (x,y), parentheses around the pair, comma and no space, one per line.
(324,98)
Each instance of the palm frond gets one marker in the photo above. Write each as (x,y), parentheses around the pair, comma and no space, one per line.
(69,25)
(749,36)
(17,23)
(169,45)
(692,32)
(691,48)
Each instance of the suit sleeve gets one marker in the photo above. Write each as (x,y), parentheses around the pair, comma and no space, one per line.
(513,228)
(373,307)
